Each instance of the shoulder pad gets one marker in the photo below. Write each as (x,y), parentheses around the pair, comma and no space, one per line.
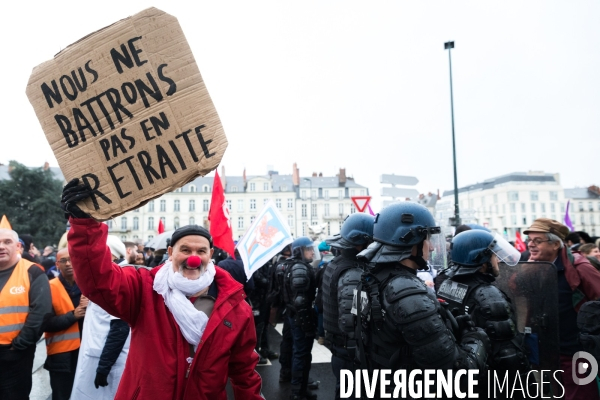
(488,294)
(403,286)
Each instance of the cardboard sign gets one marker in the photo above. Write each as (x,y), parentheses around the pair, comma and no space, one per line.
(126,110)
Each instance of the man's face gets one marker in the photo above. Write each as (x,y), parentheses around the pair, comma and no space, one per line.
(10,249)
(495,266)
(131,254)
(308,254)
(47,251)
(541,249)
(189,246)
(63,264)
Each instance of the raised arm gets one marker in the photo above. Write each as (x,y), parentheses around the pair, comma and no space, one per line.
(117,290)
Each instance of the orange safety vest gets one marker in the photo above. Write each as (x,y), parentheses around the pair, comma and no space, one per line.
(14,302)
(69,339)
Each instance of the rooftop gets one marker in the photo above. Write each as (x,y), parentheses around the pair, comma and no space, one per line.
(531,176)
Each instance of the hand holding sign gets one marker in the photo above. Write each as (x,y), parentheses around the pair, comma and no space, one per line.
(125,109)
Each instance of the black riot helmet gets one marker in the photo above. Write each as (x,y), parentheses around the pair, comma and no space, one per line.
(357,230)
(398,228)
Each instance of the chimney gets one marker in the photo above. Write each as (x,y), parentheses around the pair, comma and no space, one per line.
(320,174)
(244,178)
(342,176)
(46,166)
(295,175)
(314,174)
(223,178)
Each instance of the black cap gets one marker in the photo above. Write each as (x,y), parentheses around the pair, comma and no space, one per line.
(191,230)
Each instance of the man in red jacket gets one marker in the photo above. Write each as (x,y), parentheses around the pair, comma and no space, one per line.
(191,329)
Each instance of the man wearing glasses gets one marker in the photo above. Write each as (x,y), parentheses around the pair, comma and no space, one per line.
(578,282)
(63,328)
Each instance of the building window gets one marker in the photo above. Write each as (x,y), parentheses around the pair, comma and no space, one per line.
(304,229)
(204,205)
(483,201)
(228,202)
(553,195)
(352,208)
(278,203)
(176,223)
(205,188)
(504,208)
(592,219)
(313,194)
(362,192)
(234,189)
(192,221)
(562,207)
(252,187)
(291,221)
(326,194)
(590,206)
(150,222)
(303,194)
(151,206)
(124,223)
(163,205)
(283,188)
(341,209)
(313,208)
(192,189)
(304,212)
(326,210)
(582,219)
(543,208)
(340,225)
(136,210)
(495,198)
(192,205)
(240,205)
(523,207)
(581,206)
(513,219)
(252,204)
(109,224)
(136,223)
(178,190)
(533,208)
(176,205)
(341,194)
(524,220)
(352,192)
(123,238)
(291,204)
(533,196)
(150,237)
(240,222)
(552,207)
(265,201)
(135,237)
(164,221)
(266,186)
(252,218)
(513,196)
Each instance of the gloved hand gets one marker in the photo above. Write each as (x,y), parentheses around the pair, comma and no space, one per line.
(477,334)
(101,380)
(72,193)
(464,322)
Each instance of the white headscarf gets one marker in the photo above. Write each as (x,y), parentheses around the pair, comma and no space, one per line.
(174,288)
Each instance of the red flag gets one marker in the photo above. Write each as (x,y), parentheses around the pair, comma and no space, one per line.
(220,226)
(519,244)
(161,227)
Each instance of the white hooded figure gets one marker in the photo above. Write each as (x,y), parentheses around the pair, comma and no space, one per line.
(89,379)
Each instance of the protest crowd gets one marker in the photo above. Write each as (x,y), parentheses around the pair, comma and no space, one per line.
(190,314)
(126,320)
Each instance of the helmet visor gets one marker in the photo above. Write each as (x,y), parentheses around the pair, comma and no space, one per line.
(505,251)
(438,252)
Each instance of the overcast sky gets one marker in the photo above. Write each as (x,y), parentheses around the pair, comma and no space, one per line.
(359,85)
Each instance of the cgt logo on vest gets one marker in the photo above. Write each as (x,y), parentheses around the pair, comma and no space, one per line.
(17,290)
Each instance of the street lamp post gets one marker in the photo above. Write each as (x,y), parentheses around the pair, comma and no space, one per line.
(448,46)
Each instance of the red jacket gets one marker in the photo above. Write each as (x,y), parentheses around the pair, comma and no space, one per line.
(582,277)
(156,365)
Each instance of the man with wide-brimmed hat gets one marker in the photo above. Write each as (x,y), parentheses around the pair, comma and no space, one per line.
(578,283)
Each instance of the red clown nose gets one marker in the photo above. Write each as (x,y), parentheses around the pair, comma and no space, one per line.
(193,262)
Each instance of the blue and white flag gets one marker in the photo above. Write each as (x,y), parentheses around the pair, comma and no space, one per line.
(267,236)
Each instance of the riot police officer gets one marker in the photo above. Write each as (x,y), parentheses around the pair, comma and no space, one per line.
(470,290)
(403,326)
(299,292)
(340,279)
